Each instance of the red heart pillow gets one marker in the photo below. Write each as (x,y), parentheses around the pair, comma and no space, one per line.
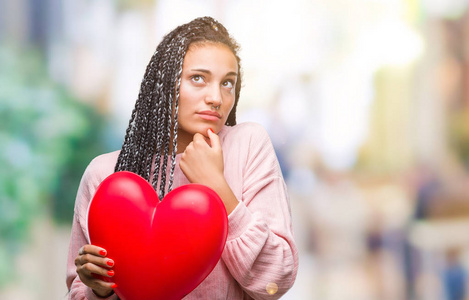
(161,250)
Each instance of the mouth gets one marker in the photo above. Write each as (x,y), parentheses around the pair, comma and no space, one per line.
(209,115)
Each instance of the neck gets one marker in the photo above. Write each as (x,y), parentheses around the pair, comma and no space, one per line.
(184,139)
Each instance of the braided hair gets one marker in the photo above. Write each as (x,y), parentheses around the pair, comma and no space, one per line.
(154,119)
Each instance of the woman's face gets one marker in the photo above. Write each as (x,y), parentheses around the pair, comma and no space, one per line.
(207,90)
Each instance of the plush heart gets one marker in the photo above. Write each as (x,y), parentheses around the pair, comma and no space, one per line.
(162,250)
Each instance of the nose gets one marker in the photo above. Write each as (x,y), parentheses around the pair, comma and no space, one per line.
(214,96)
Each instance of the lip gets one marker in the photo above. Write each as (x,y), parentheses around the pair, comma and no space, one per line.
(209,115)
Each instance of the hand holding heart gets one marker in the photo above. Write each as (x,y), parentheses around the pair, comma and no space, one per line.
(92,260)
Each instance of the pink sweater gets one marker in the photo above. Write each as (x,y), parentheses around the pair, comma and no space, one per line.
(260,250)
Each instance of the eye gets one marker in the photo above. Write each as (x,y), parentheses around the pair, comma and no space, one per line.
(197,79)
(228,84)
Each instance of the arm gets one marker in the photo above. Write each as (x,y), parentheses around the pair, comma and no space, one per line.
(77,289)
(260,251)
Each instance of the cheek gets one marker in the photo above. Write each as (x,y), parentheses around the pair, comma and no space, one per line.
(188,94)
(182,92)
(184,99)
(231,104)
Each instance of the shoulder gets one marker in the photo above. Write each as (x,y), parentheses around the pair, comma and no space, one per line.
(247,131)
(247,138)
(101,167)
(96,171)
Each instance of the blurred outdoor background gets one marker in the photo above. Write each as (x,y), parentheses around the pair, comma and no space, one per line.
(366,101)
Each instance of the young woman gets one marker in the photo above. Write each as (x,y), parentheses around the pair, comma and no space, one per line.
(183,130)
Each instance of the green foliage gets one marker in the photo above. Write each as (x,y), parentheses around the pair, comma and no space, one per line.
(46,139)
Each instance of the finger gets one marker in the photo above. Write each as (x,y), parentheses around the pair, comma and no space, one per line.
(92,249)
(105,284)
(198,138)
(188,149)
(214,139)
(98,284)
(102,285)
(88,269)
(95,250)
(97,260)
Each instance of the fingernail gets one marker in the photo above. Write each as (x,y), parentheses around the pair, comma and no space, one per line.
(110,262)
(110,273)
(102,253)
(211,130)
(114,286)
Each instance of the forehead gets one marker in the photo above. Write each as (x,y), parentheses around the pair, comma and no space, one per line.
(208,54)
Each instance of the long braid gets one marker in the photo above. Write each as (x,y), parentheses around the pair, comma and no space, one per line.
(161,118)
(152,131)
(175,128)
(125,147)
(177,54)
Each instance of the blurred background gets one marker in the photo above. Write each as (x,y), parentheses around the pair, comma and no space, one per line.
(366,102)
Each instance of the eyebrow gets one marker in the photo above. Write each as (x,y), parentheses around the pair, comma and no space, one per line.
(208,72)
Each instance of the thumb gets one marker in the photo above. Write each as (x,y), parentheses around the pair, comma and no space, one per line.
(214,139)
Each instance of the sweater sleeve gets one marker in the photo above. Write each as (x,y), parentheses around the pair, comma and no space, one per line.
(260,251)
(77,289)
